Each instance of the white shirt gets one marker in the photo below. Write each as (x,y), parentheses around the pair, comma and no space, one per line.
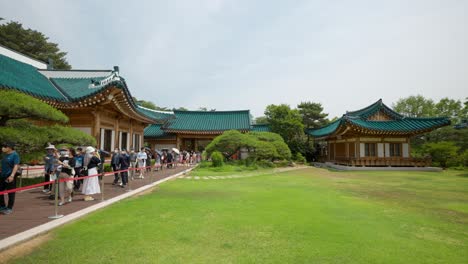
(141,156)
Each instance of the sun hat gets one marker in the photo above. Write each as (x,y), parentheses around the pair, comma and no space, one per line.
(90,150)
(50,147)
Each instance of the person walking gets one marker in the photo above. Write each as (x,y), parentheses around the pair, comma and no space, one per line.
(49,163)
(141,158)
(157,158)
(115,165)
(133,160)
(91,185)
(67,164)
(79,158)
(148,160)
(124,163)
(10,167)
(169,159)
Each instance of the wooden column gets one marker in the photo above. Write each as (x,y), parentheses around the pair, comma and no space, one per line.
(130,132)
(116,132)
(97,125)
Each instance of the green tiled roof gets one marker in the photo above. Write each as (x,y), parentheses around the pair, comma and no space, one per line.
(157,115)
(402,125)
(399,123)
(209,121)
(76,88)
(25,78)
(326,130)
(374,108)
(155,131)
(261,128)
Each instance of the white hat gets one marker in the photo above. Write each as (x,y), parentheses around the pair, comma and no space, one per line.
(50,147)
(90,150)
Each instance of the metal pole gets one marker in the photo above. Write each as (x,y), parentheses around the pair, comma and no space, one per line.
(56,216)
(102,187)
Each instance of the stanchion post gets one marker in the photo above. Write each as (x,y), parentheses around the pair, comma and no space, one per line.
(56,216)
(129,181)
(102,186)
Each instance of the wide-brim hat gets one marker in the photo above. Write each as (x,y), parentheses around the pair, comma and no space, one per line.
(90,150)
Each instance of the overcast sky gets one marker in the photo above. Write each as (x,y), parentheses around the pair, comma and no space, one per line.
(247,54)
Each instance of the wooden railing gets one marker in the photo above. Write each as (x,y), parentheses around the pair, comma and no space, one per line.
(383,162)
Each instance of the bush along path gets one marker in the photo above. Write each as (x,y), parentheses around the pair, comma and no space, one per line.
(243,175)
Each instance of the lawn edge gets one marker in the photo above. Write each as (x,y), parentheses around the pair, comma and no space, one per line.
(44,228)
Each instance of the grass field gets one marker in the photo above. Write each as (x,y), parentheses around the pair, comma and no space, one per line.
(303,216)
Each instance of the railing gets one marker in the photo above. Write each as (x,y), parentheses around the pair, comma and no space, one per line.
(383,162)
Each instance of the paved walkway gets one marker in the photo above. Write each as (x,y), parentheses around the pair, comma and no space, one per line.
(32,208)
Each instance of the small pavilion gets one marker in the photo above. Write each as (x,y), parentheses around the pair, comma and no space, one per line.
(373,136)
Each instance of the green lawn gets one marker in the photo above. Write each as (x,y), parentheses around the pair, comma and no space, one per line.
(303,216)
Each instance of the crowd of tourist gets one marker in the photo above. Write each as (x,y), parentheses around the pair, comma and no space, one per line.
(71,163)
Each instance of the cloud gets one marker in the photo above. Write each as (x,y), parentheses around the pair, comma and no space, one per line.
(247,54)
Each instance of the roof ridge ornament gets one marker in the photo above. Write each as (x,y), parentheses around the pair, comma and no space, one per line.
(98,84)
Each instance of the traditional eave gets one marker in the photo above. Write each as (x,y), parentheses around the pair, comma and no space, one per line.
(198,132)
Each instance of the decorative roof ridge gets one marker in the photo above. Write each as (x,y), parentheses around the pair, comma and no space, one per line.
(76,78)
(200,111)
(426,118)
(365,108)
(156,111)
(73,70)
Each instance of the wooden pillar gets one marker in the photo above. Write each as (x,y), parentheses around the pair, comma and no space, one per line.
(97,125)
(116,132)
(130,134)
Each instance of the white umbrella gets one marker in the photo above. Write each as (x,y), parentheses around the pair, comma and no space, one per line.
(175,150)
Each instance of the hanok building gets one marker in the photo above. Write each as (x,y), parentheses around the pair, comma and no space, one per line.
(97,102)
(373,136)
(194,130)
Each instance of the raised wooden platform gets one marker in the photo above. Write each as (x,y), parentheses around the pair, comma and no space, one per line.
(363,168)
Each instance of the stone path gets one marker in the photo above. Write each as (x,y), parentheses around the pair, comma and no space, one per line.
(235,176)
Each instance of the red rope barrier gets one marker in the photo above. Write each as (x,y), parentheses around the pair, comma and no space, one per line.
(80,178)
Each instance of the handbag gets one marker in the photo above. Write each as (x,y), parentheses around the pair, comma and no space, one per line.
(19,172)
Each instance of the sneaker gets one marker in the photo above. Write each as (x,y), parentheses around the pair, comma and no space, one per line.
(123,185)
(45,190)
(51,197)
(3,208)
(70,199)
(61,203)
(89,198)
(7,211)
(142,177)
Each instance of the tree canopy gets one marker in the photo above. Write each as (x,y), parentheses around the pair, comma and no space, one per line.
(32,43)
(18,106)
(29,137)
(261,145)
(312,114)
(285,121)
(415,106)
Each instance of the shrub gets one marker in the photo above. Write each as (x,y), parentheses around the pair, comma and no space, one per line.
(299,158)
(265,164)
(217,158)
(442,153)
(107,167)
